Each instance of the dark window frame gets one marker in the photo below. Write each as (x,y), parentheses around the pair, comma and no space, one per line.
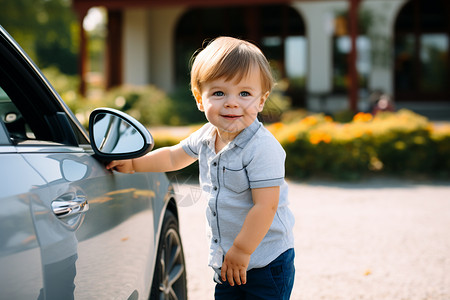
(415,19)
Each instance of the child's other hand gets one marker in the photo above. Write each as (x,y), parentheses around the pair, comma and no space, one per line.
(123,166)
(234,266)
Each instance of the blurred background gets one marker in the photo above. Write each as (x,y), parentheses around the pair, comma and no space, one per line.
(365,77)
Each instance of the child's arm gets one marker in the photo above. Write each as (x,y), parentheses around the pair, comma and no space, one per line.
(161,160)
(255,227)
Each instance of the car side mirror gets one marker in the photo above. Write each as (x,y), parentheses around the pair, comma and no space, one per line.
(116,135)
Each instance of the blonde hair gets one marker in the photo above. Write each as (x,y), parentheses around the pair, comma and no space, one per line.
(229,58)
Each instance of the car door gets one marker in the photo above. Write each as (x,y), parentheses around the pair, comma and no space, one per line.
(104,248)
(19,249)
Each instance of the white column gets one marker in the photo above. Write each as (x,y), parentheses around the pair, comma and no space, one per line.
(381,34)
(319,23)
(161,27)
(136,47)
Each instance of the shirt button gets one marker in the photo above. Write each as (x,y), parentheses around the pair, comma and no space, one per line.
(215,241)
(214,213)
(214,164)
(215,188)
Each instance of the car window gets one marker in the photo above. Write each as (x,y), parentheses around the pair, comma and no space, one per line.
(4,136)
(15,123)
(29,108)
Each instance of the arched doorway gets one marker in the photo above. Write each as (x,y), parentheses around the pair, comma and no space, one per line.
(422,44)
(277,29)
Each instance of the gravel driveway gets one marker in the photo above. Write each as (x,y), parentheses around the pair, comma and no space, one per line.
(377,239)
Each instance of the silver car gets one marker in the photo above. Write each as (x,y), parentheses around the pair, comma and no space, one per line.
(70,228)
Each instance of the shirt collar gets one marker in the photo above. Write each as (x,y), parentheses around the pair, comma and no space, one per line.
(242,139)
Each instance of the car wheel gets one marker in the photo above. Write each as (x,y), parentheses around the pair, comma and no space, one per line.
(169,280)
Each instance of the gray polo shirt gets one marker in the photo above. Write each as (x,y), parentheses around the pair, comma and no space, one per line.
(254,159)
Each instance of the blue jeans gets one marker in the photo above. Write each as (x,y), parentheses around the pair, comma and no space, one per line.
(272,282)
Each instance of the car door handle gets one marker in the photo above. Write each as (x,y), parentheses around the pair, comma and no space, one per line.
(70,204)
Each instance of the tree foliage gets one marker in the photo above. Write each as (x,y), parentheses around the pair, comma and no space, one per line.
(46,29)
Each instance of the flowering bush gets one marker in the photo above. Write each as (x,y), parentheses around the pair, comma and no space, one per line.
(400,143)
(441,137)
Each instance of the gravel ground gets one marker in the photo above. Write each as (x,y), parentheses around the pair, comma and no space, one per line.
(377,239)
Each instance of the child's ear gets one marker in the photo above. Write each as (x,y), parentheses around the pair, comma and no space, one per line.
(263,101)
(198,99)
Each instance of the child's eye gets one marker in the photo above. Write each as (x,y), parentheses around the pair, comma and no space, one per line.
(218,94)
(244,94)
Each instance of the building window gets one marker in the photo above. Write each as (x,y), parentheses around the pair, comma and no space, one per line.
(341,52)
(422,41)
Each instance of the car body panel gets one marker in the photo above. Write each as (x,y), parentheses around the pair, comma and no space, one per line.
(115,235)
(19,249)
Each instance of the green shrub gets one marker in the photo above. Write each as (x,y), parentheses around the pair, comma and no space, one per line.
(184,109)
(441,137)
(343,116)
(66,86)
(148,104)
(396,143)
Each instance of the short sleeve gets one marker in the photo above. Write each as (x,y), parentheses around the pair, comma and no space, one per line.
(265,166)
(191,145)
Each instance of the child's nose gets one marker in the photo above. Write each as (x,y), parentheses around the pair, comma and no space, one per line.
(231,102)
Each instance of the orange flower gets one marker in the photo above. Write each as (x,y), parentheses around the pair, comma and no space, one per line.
(292,138)
(326,138)
(277,126)
(315,137)
(362,117)
(358,116)
(328,119)
(314,140)
(310,121)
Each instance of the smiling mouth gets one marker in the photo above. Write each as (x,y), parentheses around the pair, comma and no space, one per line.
(231,117)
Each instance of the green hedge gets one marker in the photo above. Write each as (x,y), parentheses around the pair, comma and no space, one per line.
(401,143)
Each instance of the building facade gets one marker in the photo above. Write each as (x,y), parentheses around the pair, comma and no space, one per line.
(402,46)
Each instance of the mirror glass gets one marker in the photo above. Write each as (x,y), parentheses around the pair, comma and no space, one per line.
(113,135)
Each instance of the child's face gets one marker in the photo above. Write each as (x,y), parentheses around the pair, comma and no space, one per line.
(232,106)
